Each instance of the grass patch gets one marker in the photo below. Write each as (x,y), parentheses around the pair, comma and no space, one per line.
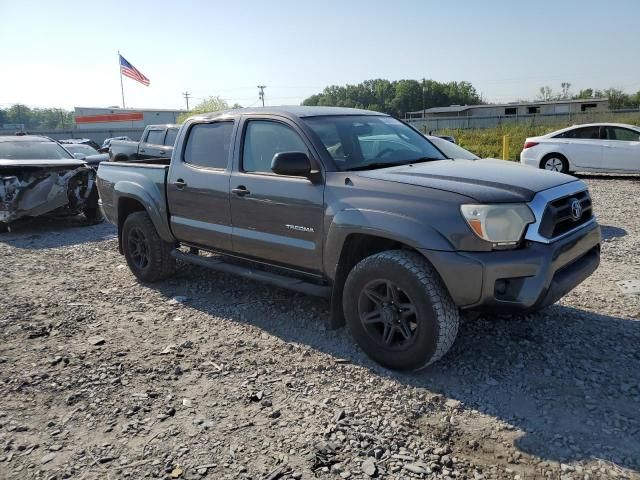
(487,142)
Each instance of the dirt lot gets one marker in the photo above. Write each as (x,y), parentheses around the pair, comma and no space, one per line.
(207,375)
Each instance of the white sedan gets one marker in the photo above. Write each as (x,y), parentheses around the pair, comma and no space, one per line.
(594,147)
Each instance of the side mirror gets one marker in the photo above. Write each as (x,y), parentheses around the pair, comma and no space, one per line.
(295,164)
(79,156)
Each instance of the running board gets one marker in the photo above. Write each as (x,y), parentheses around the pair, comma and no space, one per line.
(275,279)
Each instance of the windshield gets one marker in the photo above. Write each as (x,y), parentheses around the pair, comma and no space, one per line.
(452,150)
(358,142)
(26,150)
(79,148)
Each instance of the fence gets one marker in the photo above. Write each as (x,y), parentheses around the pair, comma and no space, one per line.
(95,135)
(472,122)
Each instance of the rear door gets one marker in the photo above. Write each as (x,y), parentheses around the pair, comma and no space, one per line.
(583,146)
(621,149)
(198,186)
(275,218)
(152,145)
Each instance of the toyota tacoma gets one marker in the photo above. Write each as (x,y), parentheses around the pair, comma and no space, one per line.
(359,207)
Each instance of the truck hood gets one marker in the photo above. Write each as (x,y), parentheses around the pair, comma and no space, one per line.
(486,181)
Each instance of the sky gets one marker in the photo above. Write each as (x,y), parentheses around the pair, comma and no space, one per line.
(64,53)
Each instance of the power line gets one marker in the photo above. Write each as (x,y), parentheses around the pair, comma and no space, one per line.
(261,94)
(186,97)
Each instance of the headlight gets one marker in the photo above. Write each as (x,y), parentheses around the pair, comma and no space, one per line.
(501,224)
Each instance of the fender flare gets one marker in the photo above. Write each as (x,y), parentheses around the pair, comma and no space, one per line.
(157,211)
(393,226)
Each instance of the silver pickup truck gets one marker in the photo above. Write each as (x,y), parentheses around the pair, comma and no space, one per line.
(156,142)
(359,207)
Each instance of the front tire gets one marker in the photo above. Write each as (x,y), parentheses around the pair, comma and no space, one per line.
(148,256)
(555,162)
(399,311)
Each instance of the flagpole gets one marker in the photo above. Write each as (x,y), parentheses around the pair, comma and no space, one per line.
(121,84)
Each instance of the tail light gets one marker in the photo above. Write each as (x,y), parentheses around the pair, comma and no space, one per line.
(529,145)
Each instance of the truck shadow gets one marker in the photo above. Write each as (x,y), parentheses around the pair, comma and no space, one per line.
(575,396)
(52,232)
(610,232)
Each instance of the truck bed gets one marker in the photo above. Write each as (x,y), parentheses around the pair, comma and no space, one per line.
(147,177)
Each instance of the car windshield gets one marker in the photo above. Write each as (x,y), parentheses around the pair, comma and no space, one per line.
(26,150)
(452,150)
(80,148)
(361,142)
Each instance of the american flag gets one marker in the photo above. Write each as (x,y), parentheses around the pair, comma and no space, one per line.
(130,71)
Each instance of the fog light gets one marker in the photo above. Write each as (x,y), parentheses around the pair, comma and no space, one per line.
(501,286)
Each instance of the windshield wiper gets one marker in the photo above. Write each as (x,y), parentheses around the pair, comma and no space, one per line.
(374,165)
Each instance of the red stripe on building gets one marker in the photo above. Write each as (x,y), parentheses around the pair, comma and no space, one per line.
(110,117)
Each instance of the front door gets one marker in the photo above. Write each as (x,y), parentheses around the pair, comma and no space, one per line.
(276,218)
(621,150)
(198,187)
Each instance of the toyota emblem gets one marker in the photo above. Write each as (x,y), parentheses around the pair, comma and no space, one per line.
(576,209)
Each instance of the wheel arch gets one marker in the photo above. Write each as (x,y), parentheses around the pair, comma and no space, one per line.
(559,154)
(130,197)
(351,238)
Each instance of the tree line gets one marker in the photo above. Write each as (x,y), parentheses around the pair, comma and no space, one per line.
(36,118)
(398,96)
(393,97)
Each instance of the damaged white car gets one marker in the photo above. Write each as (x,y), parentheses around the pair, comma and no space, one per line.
(38,176)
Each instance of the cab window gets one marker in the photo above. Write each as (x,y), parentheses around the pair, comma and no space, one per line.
(155,137)
(208,145)
(263,139)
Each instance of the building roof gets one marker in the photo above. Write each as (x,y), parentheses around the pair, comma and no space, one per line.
(463,108)
(294,111)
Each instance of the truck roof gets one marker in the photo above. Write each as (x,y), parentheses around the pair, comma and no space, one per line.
(298,111)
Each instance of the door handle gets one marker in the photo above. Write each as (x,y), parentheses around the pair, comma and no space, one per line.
(180,184)
(241,191)
(142,150)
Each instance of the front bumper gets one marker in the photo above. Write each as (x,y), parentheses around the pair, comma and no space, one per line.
(527,278)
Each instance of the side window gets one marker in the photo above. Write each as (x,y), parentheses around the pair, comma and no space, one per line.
(622,134)
(263,139)
(155,137)
(208,145)
(586,133)
(170,139)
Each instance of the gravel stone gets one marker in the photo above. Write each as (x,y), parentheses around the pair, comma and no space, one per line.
(550,394)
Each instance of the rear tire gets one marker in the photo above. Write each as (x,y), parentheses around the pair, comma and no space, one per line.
(555,162)
(399,311)
(148,256)
(91,211)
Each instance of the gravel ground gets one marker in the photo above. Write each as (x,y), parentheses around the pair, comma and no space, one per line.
(210,376)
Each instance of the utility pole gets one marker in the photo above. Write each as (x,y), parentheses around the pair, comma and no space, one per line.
(261,93)
(186,96)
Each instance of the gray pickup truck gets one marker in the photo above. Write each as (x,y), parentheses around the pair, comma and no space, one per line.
(156,142)
(359,207)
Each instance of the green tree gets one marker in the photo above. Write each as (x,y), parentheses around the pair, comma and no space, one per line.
(617,98)
(210,104)
(396,97)
(545,94)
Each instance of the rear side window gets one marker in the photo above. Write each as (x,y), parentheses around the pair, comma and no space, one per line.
(208,145)
(155,137)
(586,133)
(170,139)
(263,139)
